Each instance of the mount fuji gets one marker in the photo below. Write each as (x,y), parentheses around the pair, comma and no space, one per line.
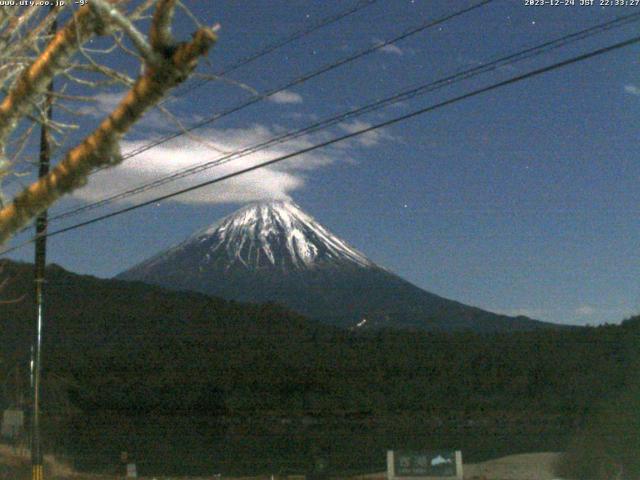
(275,252)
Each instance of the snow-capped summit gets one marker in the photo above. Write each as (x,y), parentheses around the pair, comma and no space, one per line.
(276,233)
(265,235)
(274,251)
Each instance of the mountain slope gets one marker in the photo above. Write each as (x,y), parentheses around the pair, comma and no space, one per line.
(276,252)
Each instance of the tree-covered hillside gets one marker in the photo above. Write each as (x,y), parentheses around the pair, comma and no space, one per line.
(164,373)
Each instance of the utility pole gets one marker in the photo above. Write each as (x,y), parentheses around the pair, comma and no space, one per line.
(37,472)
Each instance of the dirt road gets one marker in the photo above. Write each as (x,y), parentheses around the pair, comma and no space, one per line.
(528,466)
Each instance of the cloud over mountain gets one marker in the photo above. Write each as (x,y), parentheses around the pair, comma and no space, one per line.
(275,182)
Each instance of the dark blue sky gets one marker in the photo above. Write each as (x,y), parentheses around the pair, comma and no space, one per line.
(523,200)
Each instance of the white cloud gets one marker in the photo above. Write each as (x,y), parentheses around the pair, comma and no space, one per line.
(303,116)
(585,311)
(393,49)
(277,181)
(535,313)
(632,90)
(368,139)
(286,97)
(103,104)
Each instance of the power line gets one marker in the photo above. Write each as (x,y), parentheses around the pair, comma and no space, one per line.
(362,4)
(405,95)
(285,41)
(299,80)
(347,136)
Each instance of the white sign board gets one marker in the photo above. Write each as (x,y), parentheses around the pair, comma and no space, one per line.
(444,464)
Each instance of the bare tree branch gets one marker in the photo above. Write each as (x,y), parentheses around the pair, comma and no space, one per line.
(171,65)
(161,36)
(34,80)
(104,10)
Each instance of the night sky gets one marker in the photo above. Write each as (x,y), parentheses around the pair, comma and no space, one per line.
(523,200)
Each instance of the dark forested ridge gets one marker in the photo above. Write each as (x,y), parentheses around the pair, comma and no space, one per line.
(165,373)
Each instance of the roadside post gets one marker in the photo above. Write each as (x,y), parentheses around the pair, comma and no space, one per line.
(12,424)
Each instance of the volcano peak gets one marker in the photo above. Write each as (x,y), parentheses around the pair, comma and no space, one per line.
(274,251)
